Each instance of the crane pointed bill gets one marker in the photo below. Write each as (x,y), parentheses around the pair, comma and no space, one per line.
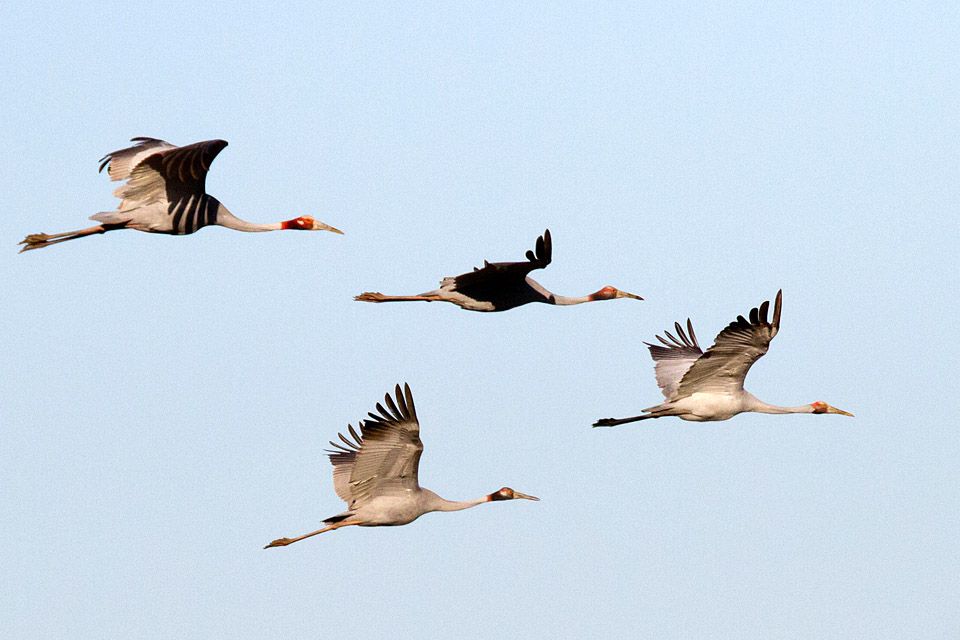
(522,496)
(624,294)
(840,411)
(320,226)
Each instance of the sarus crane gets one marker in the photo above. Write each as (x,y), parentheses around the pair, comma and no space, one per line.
(707,386)
(375,472)
(165,193)
(500,286)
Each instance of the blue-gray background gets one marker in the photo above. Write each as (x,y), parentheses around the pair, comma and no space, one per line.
(166,401)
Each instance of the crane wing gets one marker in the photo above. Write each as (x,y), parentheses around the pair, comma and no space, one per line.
(384,457)
(725,365)
(497,274)
(674,358)
(157,171)
(120,163)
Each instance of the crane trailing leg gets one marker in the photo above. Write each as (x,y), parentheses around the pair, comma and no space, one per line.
(658,411)
(612,422)
(282,542)
(41,240)
(376,296)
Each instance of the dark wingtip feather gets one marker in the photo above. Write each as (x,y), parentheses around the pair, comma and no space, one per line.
(763,311)
(776,309)
(693,336)
(409,395)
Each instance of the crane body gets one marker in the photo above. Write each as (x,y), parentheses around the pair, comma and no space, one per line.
(376,473)
(501,286)
(706,386)
(165,192)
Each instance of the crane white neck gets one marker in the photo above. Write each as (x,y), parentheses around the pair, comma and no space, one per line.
(551,298)
(227,219)
(760,406)
(433,502)
(568,300)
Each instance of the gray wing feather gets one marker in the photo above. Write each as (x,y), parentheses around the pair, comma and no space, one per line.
(162,172)
(725,365)
(384,457)
(674,358)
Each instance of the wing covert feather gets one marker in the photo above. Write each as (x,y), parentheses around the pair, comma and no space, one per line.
(495,274)
(724,366)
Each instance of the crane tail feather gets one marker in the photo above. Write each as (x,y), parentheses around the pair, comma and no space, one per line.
(340,517)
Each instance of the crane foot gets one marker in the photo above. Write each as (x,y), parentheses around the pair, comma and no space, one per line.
(34,241)
(279,542)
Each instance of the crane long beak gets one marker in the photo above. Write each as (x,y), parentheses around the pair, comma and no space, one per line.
(523,496)
(840,411)
(320,226)
(624,294)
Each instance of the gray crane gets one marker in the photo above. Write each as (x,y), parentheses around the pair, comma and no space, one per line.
(500,286)
(165,193)
(375,473)
(707,386)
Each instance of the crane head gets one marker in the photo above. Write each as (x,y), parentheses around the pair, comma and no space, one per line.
(822,407)
(506,493)
(308,223)
(611,293)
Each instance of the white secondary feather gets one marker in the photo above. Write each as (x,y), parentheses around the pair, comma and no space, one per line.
(675,358)
(121,163)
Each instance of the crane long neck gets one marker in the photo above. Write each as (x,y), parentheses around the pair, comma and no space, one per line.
(568,300)
(759,406)
(436,503)
(227,219)
(551,298)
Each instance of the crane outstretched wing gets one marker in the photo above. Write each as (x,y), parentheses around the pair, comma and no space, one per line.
(674,358)
(162,172)
(384,457)
(120,163)
(724,366)
(498,274)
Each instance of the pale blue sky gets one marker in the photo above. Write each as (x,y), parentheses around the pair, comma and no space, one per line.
(165,402)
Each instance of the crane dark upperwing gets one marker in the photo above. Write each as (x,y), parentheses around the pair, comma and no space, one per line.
(170,174)
(494,275)
(674,358)
(724,366)
(384,457)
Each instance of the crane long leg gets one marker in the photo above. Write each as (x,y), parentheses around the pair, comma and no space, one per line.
(41,240)
(376,296)
(612,422)
(282,542)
